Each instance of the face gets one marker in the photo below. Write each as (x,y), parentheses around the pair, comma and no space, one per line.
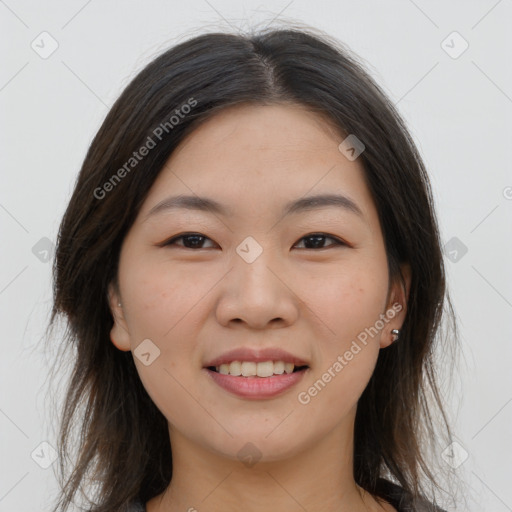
(195,284)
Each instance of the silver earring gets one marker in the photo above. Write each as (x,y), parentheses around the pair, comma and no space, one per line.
(119,304)
(396,334)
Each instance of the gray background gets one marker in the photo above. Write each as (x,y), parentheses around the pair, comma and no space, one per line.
(456,106)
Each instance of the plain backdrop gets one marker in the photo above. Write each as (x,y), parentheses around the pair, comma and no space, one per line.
(445,64)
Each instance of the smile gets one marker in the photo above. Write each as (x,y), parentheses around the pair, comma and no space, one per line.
(256,381)
(252,369)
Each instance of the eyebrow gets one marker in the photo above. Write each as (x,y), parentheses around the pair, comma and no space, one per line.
(206,204)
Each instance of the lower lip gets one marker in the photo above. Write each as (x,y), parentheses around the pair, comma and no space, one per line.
(257,388)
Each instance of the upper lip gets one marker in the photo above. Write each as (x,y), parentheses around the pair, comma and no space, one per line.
(257,356)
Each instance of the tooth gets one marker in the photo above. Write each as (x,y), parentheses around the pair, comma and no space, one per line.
(248,369)
(235,368)
(265,369)
(279,367)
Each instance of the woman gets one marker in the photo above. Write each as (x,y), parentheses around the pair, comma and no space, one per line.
(251,272)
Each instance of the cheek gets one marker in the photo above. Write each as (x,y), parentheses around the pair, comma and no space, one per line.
(346,301)
(331,395)
(162,302)
(348,304)
(161,298)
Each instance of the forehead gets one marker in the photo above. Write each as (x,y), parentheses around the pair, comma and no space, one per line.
(255,158)
(267,132)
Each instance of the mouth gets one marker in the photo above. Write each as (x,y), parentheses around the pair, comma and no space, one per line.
(256,381)
(256,373)
(264,369)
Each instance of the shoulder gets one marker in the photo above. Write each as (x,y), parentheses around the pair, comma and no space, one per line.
(401,499)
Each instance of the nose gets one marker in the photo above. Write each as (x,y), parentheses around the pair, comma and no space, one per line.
(258,294)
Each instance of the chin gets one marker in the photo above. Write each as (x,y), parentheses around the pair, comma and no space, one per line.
(257,445)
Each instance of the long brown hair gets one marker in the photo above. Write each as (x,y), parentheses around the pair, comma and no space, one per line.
(122,442)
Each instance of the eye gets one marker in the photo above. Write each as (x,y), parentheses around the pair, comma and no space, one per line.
(190,241)
(316,240)
(196,241)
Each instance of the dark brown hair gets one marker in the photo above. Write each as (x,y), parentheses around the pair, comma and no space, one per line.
(122,443)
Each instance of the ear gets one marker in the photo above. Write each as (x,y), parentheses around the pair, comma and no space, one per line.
(119,334)
(396,308)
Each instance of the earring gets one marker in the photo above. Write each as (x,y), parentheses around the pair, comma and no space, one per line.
(396,334)
(119,304)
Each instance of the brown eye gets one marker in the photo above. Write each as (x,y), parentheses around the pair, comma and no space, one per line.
(190,241)
(316,241)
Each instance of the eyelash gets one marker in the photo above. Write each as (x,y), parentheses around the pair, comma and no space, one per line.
(172,241)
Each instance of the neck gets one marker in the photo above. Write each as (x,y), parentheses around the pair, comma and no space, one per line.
(317,478)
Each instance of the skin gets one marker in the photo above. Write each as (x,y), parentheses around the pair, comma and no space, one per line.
(197,303)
